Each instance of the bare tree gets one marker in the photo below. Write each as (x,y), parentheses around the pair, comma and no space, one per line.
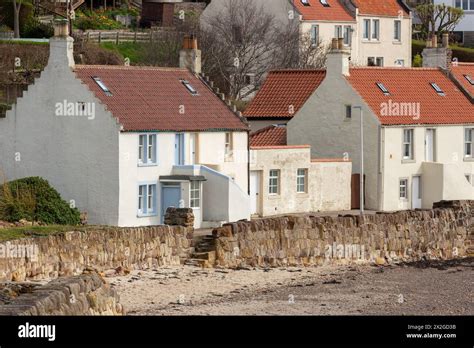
(16,16)
(298,50)
(438,19)
(238,45)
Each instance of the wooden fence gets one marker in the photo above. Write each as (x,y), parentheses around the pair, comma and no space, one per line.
(121,36)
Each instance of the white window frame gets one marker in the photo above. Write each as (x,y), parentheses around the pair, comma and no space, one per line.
(397,30)
(347,35)
(314,34)
(229,145)
(366,32)
(302,180)
(147,149)
(375,30)
(409,143)
(403,184)
(147,199)
(274,182)
(469,142)
(195,194)
(338,33)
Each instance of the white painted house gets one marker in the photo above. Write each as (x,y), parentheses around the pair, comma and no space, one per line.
(418,131)
(465,28)
(124,143)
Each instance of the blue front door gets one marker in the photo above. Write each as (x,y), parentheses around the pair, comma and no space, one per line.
(179,149)
(170,198)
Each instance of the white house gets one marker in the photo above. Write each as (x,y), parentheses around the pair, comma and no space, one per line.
(418,131)
(465,29)
(286,179)
(375,32)
(124,143)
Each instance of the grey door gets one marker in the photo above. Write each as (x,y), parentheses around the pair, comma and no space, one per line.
(170,196)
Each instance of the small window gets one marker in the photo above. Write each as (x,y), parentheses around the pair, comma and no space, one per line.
(195,194)
(437,89)
(382,87)
(102,85)
(274,182)
(338,31)
(314,35)
(403,189)
(348,112)
(229,144)
(189,87)
(147,148)
(400,62)
(397,30)
(366,29)
(347,35)
(376,29)
(371,61)
(469,79)
(408,144)
(301,180)
(324,3)
(468,142)
(379,61)
(147,199)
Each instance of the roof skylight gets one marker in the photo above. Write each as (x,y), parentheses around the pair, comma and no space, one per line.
(437,89)
(102,85)
(324,3)
(189,87)
(469,79)
(383,88)
(305,2)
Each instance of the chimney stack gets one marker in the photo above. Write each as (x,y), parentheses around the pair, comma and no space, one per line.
(61,46)
(337,59)
(438,57)
(190,55)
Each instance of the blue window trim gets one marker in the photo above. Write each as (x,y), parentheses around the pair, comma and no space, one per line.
(146,213)
(145,162)
(182,140)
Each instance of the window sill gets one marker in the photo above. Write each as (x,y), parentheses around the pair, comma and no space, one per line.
(408,161)
(396,42)
(147,165)
(146,215)
(468,159)
(371,41)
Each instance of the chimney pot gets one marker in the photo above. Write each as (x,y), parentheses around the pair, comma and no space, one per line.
(340,43)
(61,28)
(445,40)
(434,41)
(334,44)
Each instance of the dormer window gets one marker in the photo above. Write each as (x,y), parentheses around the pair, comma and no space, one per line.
(324,3)
(469,79)
(305,2)
(189,87)
(437,89)
(102,85)
(383,88)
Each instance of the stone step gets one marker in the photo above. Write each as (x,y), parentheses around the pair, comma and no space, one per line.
(209,256)
(198,263)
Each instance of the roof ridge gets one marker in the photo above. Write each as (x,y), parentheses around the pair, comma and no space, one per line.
(264,129)
(130,67)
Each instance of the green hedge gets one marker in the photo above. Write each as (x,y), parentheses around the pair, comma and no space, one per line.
(463,54)
(34,199)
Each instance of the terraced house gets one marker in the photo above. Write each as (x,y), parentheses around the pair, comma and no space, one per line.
(125,143)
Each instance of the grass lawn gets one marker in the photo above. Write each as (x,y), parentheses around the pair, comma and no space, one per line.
(133,51)
(36,231)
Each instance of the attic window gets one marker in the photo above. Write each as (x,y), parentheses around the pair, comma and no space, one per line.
(305,2)
(102,86)
(324,3)
(383,88)
(437,89)
(189,87)
(469,79)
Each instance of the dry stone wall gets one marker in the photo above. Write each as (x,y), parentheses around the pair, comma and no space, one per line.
(102,248)
(87,294)
(442,233)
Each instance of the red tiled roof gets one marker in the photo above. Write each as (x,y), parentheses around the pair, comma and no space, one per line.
(269,136)
(380,7)
(459,73)
(147,98)
(412,85)
(283,93)
(316,11)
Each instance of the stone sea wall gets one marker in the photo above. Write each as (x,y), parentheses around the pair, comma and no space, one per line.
(86,294)
(445,232)
(101,248)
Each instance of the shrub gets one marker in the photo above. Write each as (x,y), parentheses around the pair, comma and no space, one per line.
(34,199)
(35,29)
(417,61)
(463,54)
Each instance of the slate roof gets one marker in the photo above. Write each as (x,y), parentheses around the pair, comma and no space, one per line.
(155,99)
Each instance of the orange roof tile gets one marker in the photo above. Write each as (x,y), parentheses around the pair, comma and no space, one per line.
(463,71)
(411,86)
(316,11)
(283,93)
(148,98)
(269,136)
(380,7)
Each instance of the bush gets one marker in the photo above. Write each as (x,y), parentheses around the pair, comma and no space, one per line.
(87,20)
(417,61)
(463,54)
(34,199)
(35,29)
